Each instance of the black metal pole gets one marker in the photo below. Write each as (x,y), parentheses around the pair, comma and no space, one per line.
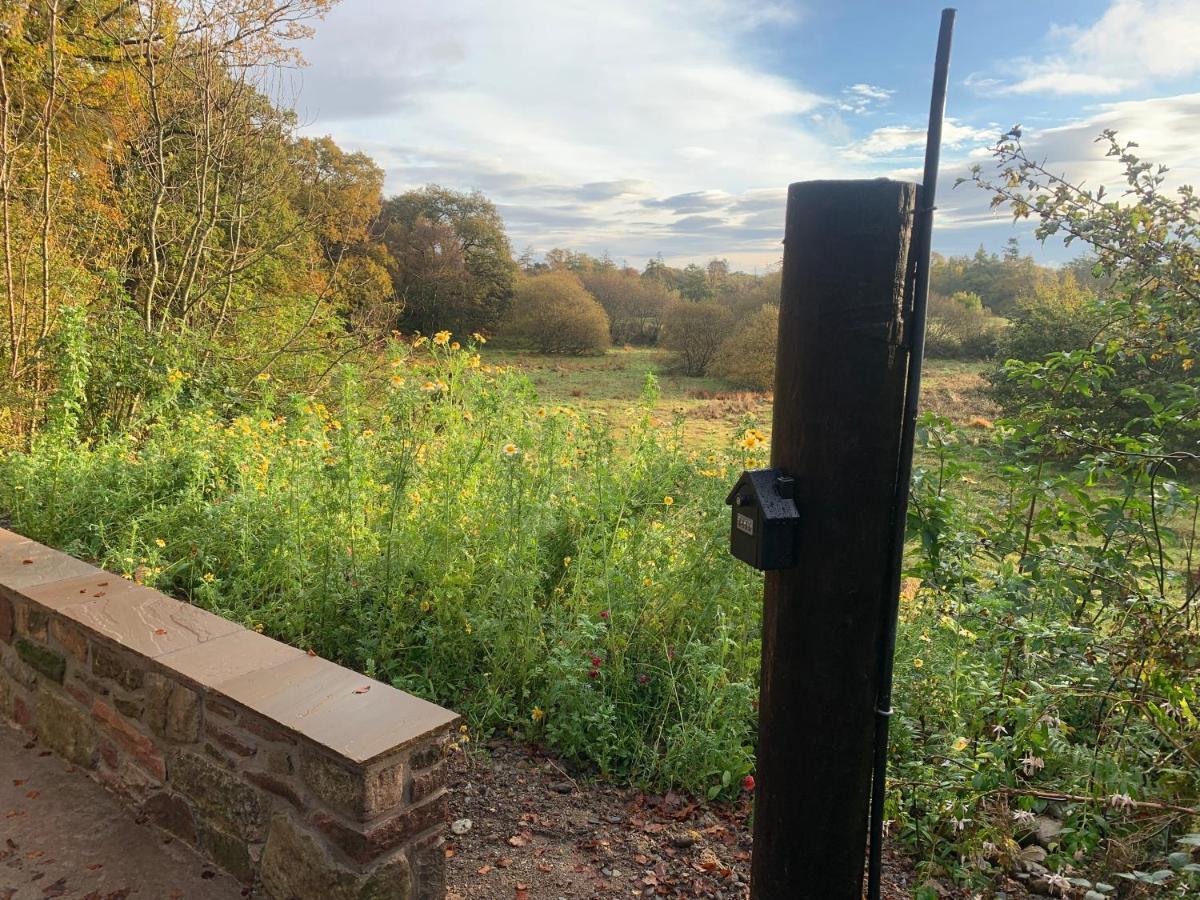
(887,648)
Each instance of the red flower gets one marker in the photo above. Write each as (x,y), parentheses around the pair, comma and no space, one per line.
(597,661)
(604,613)
(748,783)
(643,679)
(593,673)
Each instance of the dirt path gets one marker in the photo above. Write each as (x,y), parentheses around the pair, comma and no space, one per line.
(538,833)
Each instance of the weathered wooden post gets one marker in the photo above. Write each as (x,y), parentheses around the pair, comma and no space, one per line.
(839,397)
(847,386)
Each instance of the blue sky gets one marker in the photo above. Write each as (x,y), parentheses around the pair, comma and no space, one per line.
(639,127)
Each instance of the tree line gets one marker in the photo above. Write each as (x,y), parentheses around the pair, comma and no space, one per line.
(164,228)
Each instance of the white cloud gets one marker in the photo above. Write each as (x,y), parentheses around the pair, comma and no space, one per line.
(1136,43)
(521,99)
(1166,129)
(860,98)
(892,139)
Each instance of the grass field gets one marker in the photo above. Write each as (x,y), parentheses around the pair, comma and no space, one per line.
(709,409)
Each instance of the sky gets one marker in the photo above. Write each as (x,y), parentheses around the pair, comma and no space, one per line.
(640,127)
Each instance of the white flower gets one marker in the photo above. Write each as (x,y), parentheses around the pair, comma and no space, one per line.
(959,824)
(999,730)
(1031,763)
(1023,817)
(1060,883)
(1121,801)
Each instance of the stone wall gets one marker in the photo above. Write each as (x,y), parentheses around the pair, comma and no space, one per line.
(287,770)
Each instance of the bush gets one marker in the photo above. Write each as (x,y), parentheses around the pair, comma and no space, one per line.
(695,331)
(634,305)
(960,327)
(747,357)
(553,313)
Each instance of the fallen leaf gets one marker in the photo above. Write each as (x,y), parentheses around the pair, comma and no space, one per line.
(312,652)
(94,866)
(33,795)
(160,631)
(517,841)
(363,689)
(504,862)
(27,562)
(484,869)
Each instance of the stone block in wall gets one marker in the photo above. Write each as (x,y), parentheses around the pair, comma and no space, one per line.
(172,710)
(229,851)
(70,638)
(295,865)
(172,813)
(220,795)
(362,792)
(127,735)
(366,843)
(125,671)
(42,659)
(20,673)
(65,728)
(7,620)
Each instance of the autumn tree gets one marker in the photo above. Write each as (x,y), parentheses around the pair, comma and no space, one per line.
(695,331)
(634,305)
(553,313)
(435,227)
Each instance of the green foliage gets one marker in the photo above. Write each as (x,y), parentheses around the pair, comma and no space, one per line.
(634,305)
(960,327)
(515,562)
(553,313)
(695,331)
(747,357)
(454,267)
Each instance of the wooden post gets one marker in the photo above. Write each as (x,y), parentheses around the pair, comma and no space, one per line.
(839,396)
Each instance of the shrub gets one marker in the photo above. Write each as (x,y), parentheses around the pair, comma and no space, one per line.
(634,305)
(747,357)
(553,313)
(695,331)
(961,327)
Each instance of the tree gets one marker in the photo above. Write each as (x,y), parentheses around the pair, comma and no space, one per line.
(694,285)
(747,357)
(695,331)
(447,225)
(634,305)
(553,313)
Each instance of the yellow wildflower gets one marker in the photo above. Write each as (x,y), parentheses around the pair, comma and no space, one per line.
(537,715)
(961,744)
(208,578)
(918,662)
(160,542)
(478,338)
(668,501)
(442,338)
(455,345)
(510,450)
